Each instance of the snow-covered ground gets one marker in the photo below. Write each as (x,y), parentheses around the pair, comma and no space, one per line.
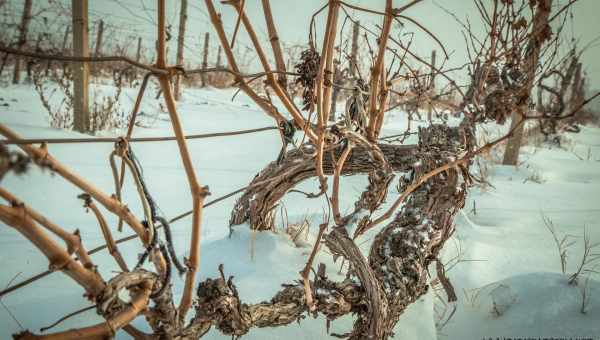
(509,261)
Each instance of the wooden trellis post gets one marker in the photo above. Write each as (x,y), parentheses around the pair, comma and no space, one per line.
(204,59)
(66,39)
(540,22)
(81,120)
(23,28)
(577,88)
(354,52)
(99,35)
(180,44)
(431,89)
(219,56)
(138,54)
(31,62)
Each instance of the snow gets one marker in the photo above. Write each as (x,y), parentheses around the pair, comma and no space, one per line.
(504,244)
(536,305)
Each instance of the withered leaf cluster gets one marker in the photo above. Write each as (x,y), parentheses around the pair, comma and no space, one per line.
(308,68)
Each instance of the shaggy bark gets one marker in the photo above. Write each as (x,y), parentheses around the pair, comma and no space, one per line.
(378,288)
(257,204)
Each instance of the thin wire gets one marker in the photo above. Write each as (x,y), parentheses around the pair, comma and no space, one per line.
(79,311)
(121,240)
(138,139)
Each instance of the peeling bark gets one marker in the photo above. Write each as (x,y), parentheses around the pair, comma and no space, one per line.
(257,205)
(379,287)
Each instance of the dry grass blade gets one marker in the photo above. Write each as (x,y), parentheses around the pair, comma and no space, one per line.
(562,244)
(588,259)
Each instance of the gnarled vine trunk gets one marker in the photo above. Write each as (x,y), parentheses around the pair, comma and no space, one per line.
(257,204)
(379,287)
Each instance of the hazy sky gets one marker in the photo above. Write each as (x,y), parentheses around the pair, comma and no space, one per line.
(132,18)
